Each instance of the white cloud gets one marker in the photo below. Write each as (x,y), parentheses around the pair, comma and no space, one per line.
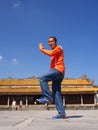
(16,4)
(1,57)
(14,61)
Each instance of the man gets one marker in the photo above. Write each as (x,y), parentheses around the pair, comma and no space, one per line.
(55,74)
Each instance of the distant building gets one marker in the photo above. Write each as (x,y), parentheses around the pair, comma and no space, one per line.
(79,91)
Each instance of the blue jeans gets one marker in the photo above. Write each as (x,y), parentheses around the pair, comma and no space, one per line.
(56,77)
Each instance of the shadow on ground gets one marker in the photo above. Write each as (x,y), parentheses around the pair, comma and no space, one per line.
(67,117)
(74,116)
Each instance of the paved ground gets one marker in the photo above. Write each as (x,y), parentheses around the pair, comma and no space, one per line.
(41,120)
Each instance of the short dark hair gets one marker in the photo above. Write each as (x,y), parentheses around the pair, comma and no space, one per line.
(53,38)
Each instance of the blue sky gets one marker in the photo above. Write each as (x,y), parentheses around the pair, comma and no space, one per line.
(26,23)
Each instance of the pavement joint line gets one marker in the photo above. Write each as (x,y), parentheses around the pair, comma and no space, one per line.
(20,122)
(26,122)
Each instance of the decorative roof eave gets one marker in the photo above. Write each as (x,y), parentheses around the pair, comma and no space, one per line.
(37,90)
(23,91)
(35,82)
(79,90)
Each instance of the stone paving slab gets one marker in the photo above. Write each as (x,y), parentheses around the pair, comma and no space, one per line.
(42,120)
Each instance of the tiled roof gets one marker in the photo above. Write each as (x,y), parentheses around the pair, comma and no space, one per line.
(77,82)
(37,90)
(32,86)
(35,82)
(19,82)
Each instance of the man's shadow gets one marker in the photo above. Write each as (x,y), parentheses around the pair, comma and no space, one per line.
(68,117)
(74,116)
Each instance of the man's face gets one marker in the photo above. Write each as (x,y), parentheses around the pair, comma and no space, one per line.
(52,43)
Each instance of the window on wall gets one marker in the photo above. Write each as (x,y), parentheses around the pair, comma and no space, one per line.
(3,100)
(17,98)
(88,99)
(73,99)
(32,99)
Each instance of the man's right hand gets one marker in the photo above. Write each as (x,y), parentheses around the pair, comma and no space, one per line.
(41,47)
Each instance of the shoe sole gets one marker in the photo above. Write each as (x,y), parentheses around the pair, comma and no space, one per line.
(47,101)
